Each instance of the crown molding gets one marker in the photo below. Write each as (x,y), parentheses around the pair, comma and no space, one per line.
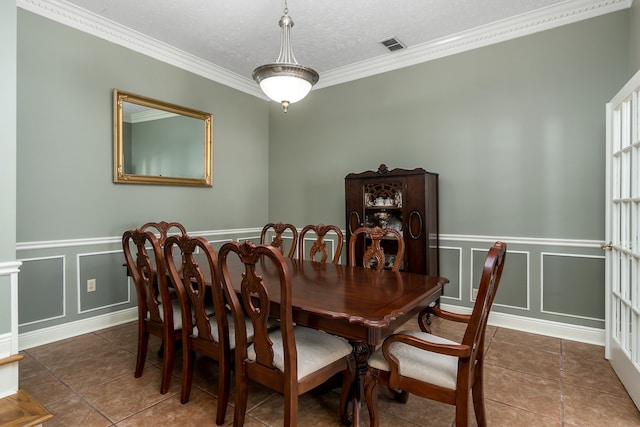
(88,22)
(547,18)
(563,13)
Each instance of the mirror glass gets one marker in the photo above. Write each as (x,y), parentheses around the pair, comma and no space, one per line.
(160,143)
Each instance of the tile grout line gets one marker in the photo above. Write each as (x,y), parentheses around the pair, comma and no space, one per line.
(76,393)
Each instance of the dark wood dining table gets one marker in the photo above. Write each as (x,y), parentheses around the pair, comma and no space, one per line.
(360,304)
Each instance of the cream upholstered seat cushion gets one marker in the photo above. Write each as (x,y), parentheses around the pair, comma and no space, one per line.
(177,314)
(422,365)
(315,349)
(232,333)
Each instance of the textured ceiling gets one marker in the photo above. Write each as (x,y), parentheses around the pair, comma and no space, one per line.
(329,35)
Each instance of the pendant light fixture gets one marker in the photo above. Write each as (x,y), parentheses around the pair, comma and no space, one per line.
(285,81)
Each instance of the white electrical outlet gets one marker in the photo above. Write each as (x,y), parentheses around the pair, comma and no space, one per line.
(474,294)
(91,285)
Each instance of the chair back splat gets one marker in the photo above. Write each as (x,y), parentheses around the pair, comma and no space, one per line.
(278,242)
(163,229)
(319,246)
(375,255)
(205,318)
(158,311)
(437,368)
(290,360)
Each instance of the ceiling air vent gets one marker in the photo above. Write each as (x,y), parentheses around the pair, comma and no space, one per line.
(392,43)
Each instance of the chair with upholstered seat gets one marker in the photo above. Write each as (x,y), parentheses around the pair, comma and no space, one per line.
(290,360)
(205,319)
(163,229)
(375,255)
(437,368)
(319,246)
(158,313)
(278,242)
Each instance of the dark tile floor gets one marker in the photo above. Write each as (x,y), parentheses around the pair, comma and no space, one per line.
(531,380)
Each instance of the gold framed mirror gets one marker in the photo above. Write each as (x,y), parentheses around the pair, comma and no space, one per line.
(156,142)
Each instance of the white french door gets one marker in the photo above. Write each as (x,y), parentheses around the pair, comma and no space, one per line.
(622,265)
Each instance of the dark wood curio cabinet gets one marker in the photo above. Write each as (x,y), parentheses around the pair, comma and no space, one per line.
(403,199)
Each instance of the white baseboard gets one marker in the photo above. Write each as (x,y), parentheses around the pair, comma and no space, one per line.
(9,371)
(539,326)
(8,379)
(68,330)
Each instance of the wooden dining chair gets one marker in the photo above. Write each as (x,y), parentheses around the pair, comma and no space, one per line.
(278,242)
(319,245)
(205,318)
(374,255)
(158,313)
(163,229)
(290,360)
(437,368)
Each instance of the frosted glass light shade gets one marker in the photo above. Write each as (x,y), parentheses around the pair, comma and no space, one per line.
(285,88)
(285,81)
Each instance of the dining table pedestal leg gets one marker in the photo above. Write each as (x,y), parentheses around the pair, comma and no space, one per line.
(361,353)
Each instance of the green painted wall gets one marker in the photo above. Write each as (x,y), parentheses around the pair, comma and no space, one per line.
(65,189)
(65,170)
(516,131)
(634,52)
(8,158)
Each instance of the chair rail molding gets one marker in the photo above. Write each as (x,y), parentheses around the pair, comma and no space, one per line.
(10,267)
(535,241)
(91,241)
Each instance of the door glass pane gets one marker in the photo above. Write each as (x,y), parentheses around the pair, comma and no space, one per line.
(635,240)
(635,287)
(615,274)
(624,175)
(635,336)
(615,132)
(633,172)
(628,225)
(616,318)
(626,123)
(626,279)
(615,177)
(628,337)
